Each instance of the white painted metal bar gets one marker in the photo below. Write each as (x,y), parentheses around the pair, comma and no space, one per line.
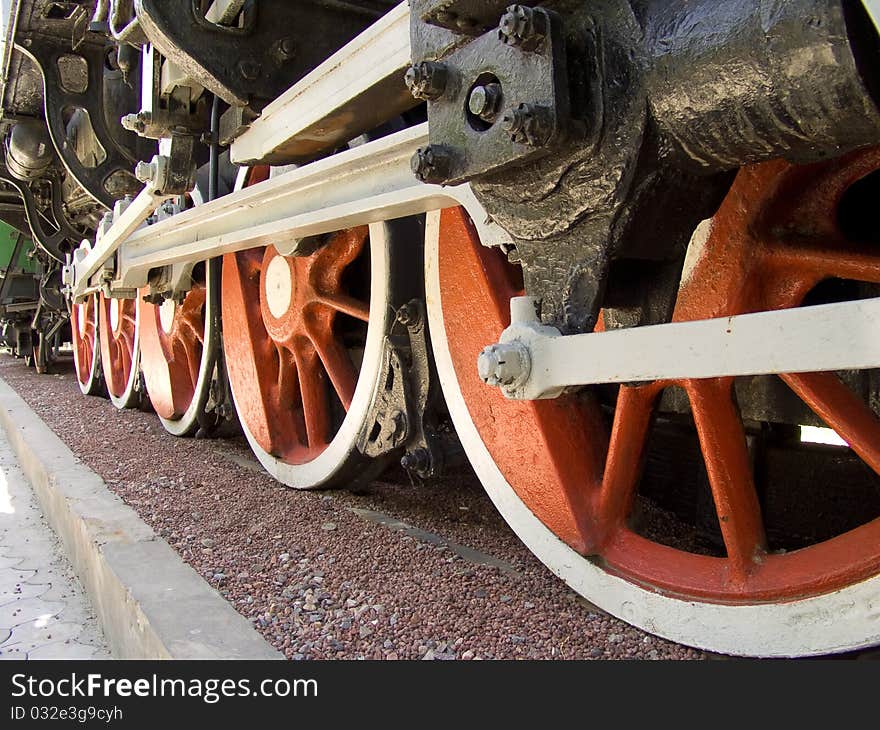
(828,337)
(377,57)
(366,184)
(126,222)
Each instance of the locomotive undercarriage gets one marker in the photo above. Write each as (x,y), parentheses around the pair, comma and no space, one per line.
(648,261)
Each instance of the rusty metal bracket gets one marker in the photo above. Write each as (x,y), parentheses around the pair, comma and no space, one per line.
(469,17)
(398,416)
(500,100)
(54,243)
(111,178)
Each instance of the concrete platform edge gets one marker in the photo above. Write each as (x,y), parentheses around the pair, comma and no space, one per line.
(149,603)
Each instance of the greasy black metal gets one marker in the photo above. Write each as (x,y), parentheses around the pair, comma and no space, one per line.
(739,81)
(29,152)
(56,243)
(214,162)
(250,65)
(400,416)
(180,177)
(386,426)
(673,95)
(112,178)
(470,17)
(533,83)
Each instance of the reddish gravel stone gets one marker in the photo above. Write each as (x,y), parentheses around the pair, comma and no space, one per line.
(359,590)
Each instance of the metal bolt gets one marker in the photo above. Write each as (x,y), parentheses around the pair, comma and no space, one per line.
(431,164)
(417,460)
(504,365)
(136,122)
(287,49)
(146,171)
(485,101)
(130,122)
(524,27)
(249,70)
(529,124)
(427,80)
(408,315)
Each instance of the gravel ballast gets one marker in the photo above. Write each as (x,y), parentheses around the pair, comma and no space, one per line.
(398,570)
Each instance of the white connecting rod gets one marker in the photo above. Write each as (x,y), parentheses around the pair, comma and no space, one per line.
(533,361)
(367,184)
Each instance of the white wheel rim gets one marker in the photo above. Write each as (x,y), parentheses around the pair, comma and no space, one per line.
(835,622)
(323,468)
(89,387)
(129,397)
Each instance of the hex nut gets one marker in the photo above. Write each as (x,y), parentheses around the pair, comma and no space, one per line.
(427,80)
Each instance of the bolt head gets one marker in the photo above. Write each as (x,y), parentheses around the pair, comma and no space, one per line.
(430,164)
(529,124)
(485,101)
(523,27)
(407,315)
(418,460)
(427,80)
(487,364)
(504,365)
(145,171)
(287,49)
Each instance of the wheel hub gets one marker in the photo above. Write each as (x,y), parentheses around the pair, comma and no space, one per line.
(167,311)
(81,319)
(278,286)
(114,315)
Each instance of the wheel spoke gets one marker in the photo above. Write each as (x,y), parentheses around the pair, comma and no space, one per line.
(313,391)
(723,442)
(193,362)
(841,410)
(338,365)
(841,262)
(626,453)
(346,305)
(191,333)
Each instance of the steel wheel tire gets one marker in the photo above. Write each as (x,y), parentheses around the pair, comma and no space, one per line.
(833,621)
(119,327)
(86,346)
(179,395)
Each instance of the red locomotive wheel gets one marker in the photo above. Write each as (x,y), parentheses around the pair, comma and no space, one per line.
(120,349)
(178,354)
(567,478)
(302,342)
(86,349)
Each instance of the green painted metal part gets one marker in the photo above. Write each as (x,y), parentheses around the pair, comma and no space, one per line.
(8,238)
